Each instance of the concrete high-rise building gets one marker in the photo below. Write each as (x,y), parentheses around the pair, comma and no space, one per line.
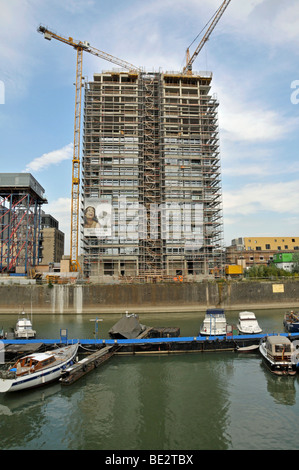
(151,184)
(52,240)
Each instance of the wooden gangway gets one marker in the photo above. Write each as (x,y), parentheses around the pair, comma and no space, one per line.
(92,361)
(82,367)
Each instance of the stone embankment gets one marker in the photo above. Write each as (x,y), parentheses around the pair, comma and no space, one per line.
(168,297)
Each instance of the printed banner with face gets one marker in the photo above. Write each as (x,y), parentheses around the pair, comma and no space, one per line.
(97,218)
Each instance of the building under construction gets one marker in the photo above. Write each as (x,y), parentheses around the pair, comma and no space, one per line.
(151,177)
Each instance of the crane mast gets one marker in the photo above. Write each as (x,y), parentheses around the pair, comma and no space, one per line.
(189,60)
(75,198)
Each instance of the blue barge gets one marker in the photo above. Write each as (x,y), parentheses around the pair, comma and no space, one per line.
(103,349)
(228,341)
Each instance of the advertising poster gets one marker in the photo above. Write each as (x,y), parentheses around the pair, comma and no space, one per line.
(97,217)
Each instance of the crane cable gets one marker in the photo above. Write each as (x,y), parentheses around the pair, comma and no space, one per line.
(204,28)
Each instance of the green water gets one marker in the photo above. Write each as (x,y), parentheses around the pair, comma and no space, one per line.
(192,401)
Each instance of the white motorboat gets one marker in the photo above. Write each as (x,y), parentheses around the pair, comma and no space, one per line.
(278,353)
(37,369)
(247,324)
(24,328)
(214,323)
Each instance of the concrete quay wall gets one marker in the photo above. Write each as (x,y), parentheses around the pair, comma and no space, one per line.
(95,298)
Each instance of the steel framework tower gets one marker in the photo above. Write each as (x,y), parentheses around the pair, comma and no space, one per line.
(21,198)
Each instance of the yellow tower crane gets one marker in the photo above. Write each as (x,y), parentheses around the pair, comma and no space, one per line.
(75,202)
(215,18)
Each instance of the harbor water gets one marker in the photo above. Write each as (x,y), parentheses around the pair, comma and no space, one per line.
(190,401)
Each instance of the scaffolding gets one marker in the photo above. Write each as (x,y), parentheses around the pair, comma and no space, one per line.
(151,153)
(21,198)
(150,175)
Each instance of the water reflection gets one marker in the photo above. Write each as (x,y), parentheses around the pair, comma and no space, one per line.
(281,389)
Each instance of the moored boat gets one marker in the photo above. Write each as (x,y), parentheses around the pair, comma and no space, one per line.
(24,328)
(37,369)
(291,322)
(214,323)
(252,348)
(247,324)
(277,354)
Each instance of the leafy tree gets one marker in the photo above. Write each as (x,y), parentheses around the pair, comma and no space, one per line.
(296,263)
(266,272)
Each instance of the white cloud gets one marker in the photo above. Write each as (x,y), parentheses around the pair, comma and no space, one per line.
(276,23)
(247,170)
(261,167)
(50,158)
(280,198)
(261,210)
(243,118)
(240,123)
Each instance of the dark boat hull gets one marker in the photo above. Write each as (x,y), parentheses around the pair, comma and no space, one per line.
(291,327)
(282,370)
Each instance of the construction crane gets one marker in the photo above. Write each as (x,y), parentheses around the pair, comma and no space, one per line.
(215,18)
(75,200)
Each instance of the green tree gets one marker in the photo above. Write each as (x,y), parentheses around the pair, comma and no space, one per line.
(296,263)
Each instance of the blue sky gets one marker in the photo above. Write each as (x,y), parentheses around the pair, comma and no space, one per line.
(253,54)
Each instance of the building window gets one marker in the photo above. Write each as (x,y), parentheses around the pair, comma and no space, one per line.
(108,269)
(268,247)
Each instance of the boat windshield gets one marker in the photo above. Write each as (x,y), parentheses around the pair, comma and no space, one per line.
(279,348)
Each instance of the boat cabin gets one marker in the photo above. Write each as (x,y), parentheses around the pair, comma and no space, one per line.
(32,363)
(247,316)
(279,348)
(214,322)
(292,317)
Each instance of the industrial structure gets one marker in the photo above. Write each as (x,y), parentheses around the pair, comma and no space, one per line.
(21,199)
(151,170)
